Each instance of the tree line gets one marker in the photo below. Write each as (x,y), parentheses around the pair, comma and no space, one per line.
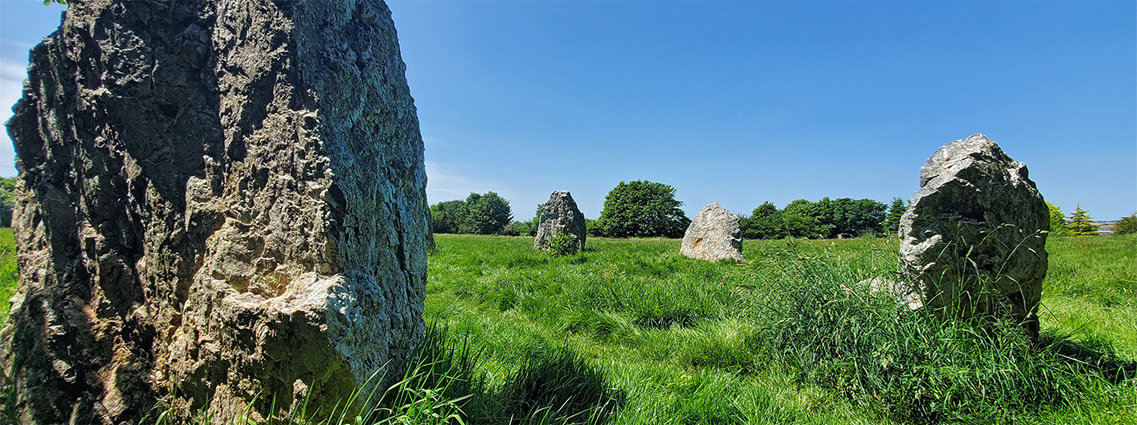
(1080,223)
(643,208)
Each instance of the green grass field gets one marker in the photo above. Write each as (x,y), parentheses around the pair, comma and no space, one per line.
(8,274)
(780,339)
(630,332)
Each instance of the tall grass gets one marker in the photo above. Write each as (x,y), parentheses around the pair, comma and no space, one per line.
(913,366)
(630,332)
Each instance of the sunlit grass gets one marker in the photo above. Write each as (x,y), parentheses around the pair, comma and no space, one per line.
(631,332)
(8,275)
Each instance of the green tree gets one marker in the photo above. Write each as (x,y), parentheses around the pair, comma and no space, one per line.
(445,216)
(1081,224)
(593,227)
(803,226)
(1057,220)
(1127,225)
(485,214)
(7,200)
(857,217)
(896,210)
(805,219)
(642,209)
(765,222)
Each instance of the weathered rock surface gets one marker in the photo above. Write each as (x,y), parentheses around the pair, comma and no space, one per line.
(713,235)
(974,235)
(560,216)
(217,199)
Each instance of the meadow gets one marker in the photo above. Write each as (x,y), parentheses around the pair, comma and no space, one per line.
(630,332)
(790,336)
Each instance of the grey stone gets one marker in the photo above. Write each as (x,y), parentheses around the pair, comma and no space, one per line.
(904,294)
(713,235)
(560,216)
(973,239)
(217,200)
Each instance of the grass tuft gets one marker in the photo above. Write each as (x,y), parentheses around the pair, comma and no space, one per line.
(914,367)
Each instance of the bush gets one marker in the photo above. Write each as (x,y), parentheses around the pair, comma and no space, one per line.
(1127,225)
(593,227)
(523,228)
(563,244)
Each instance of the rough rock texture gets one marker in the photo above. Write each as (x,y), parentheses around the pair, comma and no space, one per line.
(713,235)
(974,235)
(560,216)
(217,199)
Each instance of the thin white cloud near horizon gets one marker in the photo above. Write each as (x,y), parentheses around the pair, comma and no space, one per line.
(445,182)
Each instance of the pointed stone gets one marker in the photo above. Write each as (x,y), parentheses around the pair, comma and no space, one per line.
(560,216)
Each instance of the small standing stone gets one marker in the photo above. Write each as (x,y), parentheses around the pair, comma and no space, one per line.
(974,235)
(560,216)
(713,235)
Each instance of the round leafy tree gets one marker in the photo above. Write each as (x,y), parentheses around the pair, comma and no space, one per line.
(764,223)
(485,214)
(642,209)
(1057,220)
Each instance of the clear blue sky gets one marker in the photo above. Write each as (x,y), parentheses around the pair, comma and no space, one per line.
(743,102)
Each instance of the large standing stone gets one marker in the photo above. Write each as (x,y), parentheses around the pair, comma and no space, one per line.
(713,235)
(974,235)
(560,216)
(217,200)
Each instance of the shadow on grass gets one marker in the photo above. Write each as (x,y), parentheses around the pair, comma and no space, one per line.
(560,387)
(446,382)
(1101,359)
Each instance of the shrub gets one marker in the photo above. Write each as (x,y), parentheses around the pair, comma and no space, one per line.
(524,228)
(1127,225)
(563,244)
(593,227)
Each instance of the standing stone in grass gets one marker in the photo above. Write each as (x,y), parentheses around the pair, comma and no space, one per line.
(974,235)
(713,235)
(560,216)
(218,201)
